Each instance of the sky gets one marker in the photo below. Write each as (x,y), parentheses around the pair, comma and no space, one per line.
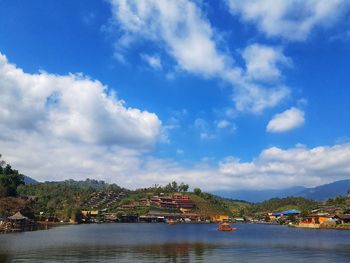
(222,95)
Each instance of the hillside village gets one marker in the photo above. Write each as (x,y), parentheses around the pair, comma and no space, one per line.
(91,201)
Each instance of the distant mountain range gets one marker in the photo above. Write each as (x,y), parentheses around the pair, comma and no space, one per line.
(255,196)
(318,193)
(29,180)
(326,191)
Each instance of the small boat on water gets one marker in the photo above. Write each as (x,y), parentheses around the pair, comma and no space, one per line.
(171,222)
(226,227)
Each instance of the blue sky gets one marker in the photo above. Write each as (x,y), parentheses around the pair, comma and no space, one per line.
(219,94)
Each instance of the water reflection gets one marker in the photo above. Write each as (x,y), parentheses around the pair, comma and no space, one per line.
(179,243)
(184,252)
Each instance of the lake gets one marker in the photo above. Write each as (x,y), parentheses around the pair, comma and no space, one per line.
(175,243)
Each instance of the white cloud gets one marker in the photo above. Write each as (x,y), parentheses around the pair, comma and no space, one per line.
(153,61)
(262,62)
(55,127)
(255,98)
(287,120)
(292,19)
(273,168)
(178,25)
(278,168)
(71,107)
(181,29)
(222,124)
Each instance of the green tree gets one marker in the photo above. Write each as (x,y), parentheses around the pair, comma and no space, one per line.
(9,183)
(174,187)
(197,191)
(9,179)
(183,187)
(77,215)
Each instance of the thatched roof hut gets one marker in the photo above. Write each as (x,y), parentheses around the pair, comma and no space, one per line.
(17,217)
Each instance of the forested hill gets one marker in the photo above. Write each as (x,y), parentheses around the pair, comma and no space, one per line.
(88,183)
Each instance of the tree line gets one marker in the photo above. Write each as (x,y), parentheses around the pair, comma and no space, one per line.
(10,179)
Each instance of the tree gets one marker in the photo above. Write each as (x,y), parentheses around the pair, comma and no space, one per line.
(304,213)
(10,182)
(168,188)
(197,191)
(183,187)
(174,186)
(77,215)
(2,163)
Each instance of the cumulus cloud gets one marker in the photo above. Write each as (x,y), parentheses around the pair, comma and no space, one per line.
(262,62)
(276,168)
(287,120)
(293,20)
(181,29)
(71,107)
(254,98)
(46,133)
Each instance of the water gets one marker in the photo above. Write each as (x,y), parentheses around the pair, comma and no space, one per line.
(177,243)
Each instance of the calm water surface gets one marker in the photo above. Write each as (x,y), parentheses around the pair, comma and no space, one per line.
(177,243)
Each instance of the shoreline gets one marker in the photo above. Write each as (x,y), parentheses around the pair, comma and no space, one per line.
(43,225)
(318,226)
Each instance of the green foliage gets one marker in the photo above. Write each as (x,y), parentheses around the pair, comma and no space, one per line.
(172,187)
(304,213)
(338,201)
(280,204)
(62,199)
(291,218)
(197,191)
(10,179)
(208,204)
(76,215)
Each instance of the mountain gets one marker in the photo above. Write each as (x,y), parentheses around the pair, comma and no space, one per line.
(29,180)
(318,193)
(326,191)
(255,196)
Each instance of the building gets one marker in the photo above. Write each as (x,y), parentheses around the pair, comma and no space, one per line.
(316,220)
(219,218)
(168,203)
(184,201)
(286,213)
(89,216)
(21,221)
(155,200)
(163,216)
(343,219)
(173,202)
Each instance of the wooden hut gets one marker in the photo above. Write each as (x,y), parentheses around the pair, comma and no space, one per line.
(20,222)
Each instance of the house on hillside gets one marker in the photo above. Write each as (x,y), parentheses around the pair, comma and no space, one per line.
(343,218)
(173,202)
(287,213)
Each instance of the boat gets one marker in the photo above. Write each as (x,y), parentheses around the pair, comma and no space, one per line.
(171,222)
(226,227)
